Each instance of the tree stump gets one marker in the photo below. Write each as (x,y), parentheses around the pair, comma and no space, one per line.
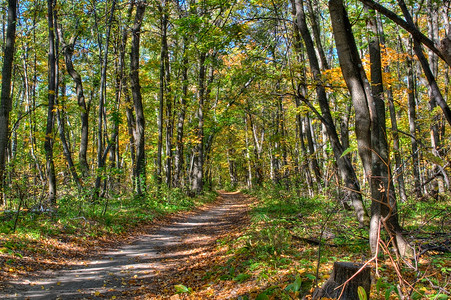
(342,272)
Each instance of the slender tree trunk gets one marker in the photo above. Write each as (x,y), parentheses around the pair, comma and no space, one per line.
(163,24)
(398,174)
(381,171)
(101,112)
(165,93)
(232,167)
(5,100)
(344,164)
(435,95)
(197,182)
(437,125)
(130,128)
(258,150)
(48,144)
(442,51)
(66,148)
(137,101)
(304,164)
(306,158)
(68,50)
(434,90)
(128,102)
(317,34)
(413,129)
(314,165)
(178,162)
(31,105)
(248,155)
(371,139)
(60,121)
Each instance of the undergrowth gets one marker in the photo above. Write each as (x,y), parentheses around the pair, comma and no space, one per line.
(279,254)
(29,236)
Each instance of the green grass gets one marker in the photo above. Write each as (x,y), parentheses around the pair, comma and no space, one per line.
(81,217)
(278,247)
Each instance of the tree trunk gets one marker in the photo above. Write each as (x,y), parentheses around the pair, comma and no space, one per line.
(434,90)
(317,34)
(413,129)
(59,118)
(398,174)
(381,171)
(370,128)
(161,96)
(442,51)
(5,100)
(30,96)
(68,50)
(334,287)
(66,148)
(248,155)
(258,150)
(48,143)
(166,90)
(102,97)
(314,165)
(179,161)
(140,167)
(197,182)
(436,97)
(346,170)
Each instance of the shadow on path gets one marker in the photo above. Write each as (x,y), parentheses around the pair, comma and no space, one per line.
(147,257)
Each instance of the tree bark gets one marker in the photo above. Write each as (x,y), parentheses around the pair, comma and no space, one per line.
(101,111)
(334,287)
(66,148)
(346,170)
(68,50)
(60,121)
(161,96)
(5,100)
(443,52)
(48,143)
(413,129)
(435,93)
(139,130)
(370,123)
(385,201)
(165,95)
(179,161)
(398,174)
(197,182)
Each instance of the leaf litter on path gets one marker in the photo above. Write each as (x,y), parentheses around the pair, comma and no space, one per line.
(178,253)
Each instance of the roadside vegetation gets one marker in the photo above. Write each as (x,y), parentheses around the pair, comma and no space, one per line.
(285,250)
(292,243)
(32,239)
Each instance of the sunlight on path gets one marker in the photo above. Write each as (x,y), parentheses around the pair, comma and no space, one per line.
(132,264)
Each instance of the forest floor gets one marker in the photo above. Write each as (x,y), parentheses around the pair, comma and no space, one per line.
(170,257)
(237,247)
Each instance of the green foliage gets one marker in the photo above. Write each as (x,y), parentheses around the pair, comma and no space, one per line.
(272,240)
(241,277)
(295,286)
(80,217)
(180,288)
(362,293)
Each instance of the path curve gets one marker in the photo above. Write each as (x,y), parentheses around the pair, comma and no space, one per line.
(141,261)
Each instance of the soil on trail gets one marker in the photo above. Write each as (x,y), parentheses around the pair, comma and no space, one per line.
(150,265)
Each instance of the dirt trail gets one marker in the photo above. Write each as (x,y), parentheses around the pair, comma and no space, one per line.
(149,259)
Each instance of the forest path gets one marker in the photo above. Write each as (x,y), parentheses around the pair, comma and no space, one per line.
(148,264)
